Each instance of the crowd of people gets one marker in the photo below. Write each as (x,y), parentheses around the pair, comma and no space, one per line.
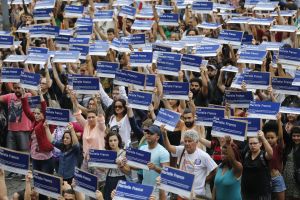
(262,167)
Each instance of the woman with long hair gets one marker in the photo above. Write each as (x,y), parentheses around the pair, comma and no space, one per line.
(113,141)
(70,151)
(291,171)
(93,136)
(121,119)
(40,147)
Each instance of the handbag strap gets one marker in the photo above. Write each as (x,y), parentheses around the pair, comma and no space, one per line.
(178,165)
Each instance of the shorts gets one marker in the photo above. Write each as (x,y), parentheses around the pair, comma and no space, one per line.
(278,184)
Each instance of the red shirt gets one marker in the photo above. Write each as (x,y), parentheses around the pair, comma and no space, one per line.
(276,162)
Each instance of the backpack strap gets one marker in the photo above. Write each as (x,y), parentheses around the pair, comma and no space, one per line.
(262,159)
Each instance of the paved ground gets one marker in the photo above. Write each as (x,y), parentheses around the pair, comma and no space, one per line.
(13,185)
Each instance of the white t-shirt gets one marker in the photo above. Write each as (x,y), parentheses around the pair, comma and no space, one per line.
(124,128)
(198,163)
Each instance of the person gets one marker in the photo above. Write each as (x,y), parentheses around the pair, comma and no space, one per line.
(93,136)
(40,148)
(3,187)
(228,178)
(30,192)
(256,178)
(292,167)
(70,151)
(121,119)
(193,160)
(113,141)
(19,126)
(274,135)
(189,122)
(159,158)
(200,90)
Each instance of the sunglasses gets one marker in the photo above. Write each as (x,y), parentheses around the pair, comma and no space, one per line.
(118,106)
(145,130)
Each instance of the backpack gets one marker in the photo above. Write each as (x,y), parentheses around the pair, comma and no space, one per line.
(261,158)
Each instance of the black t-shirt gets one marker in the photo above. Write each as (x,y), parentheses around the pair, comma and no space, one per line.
(215,95)
(174,137)
(256,178)
(201,100)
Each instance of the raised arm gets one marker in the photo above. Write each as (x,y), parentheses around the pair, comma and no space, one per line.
(203,72)
(168,146)
(237,166)
(280,130)
(220,84)
(27,195)
(126,33)
(73,134)
(180,79)
(100,32)
(205,142)
(48,79)
(60,85)
(48,132)
(26,108)
(104,97)
(77,111)
(101,118)
(43,102)
(267,146)
(3,188)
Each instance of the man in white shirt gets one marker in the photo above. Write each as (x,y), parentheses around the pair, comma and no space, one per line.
(193,160)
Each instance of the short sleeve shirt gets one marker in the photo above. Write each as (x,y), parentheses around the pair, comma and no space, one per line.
(17,120)
(159,155)
(198,163)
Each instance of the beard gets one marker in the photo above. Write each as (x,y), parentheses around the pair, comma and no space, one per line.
(18,94)
(194,91)
(189,124)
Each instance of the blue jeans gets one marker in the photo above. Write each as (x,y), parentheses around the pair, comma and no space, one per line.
(43,165)
(18,140)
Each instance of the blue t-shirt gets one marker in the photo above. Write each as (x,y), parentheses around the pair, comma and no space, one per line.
(159,155)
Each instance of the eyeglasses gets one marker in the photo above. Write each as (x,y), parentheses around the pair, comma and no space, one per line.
(118,106)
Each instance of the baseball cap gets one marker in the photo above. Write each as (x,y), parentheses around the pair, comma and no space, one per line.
(154,129)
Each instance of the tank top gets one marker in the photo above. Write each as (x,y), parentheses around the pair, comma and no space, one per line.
(227,185)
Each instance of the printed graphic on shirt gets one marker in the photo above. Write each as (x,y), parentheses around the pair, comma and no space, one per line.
(188,166)
(15,111)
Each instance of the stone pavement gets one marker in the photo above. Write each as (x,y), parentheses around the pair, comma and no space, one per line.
(13,185)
